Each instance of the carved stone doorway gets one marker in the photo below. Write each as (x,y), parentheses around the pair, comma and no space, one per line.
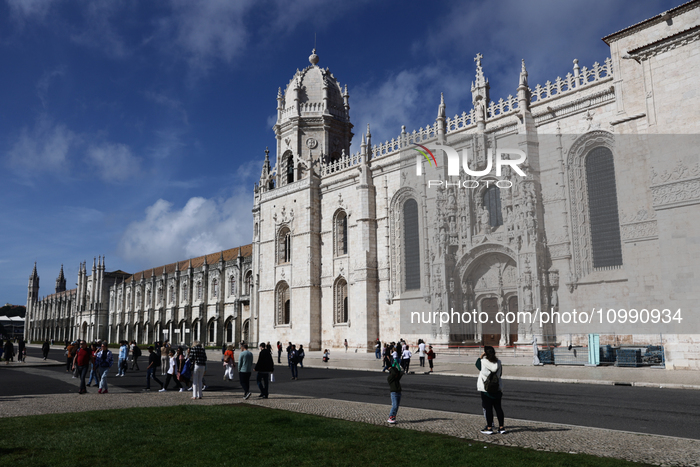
(491,330)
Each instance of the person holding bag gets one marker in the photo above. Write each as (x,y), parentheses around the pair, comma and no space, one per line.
(490,386)
(229,362)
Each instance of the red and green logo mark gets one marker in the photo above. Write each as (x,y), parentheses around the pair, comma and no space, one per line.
(431,160)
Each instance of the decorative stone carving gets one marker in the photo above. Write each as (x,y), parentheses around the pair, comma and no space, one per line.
(679,187)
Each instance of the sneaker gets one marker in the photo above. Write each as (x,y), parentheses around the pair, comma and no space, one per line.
(225,378)
(502,431)
(204,388)
(189,388)
(392,420)
(88,385)
(261,396)
(161,390)
(487,431)
(182,389)
(105,391)
(247,395)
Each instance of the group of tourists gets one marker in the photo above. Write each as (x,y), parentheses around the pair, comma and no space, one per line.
(400,351)
(7,351)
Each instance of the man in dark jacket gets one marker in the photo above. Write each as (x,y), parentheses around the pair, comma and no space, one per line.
(265,366)
(394,379)
(45,349)
(153,364)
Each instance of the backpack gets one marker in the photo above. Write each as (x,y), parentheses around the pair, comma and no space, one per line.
(492,383)
(137,352)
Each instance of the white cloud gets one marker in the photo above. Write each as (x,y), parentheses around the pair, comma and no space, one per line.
(42,87)
(399,99)
(22,10)
(98,31)
(202,226)
(45,147)
(113,161)
(172,103)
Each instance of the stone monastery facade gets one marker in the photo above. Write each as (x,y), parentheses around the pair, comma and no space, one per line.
(346,244)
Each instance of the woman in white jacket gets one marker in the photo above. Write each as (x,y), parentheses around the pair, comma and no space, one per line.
(490,399)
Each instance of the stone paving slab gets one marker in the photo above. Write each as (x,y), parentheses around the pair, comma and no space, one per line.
(651,449)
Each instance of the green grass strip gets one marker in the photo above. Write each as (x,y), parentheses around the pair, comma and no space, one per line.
(240,435)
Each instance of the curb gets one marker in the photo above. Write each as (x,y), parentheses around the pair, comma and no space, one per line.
(643,384)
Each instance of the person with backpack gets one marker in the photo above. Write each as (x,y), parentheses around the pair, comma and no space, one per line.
(135,354)
(153,364)
(104,360)
(184,369)
(490,386)
(264,367)
(294,361)
(123,355)
(394,380)
(229,363)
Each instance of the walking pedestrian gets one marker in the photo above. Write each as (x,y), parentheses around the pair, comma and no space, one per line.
(164,358)
(45,347)
(70,354)
(199,358)
(229,363)
(279,352)
(264,368)
(301,354)
(406,358)
(21,350)
(245,368)
(172,372)
(104,361)
(94,372)
(293,362)
(386,362)
(153,364)
(184,369)
(135,354)
(490,385)
(346,345)
(431,357)
(421,352)
(326,356)
(394,380)
(83,357)
(378,350)
(123,354)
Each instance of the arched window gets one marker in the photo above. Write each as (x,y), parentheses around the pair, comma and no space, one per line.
(411,239)
(606,247)
(199,290)
(138,298)
(229,330)
(283,304)
(214,288)
(232,285)
(341,301)
(289,166)
(340,230)
(492,203)
(172,294)
(212,331)
(184,292)
(284,245)
(148,298)
(160,295)
(128,300)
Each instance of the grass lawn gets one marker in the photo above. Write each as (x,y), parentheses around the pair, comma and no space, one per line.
(240,435)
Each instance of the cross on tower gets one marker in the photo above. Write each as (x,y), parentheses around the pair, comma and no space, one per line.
(477,59)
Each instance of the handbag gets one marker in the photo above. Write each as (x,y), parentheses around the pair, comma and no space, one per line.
(272,377)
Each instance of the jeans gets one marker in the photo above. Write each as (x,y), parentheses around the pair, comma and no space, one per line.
(151,373)
(395,401)
(197,378)
(103,377)
(94,374)
(69,363)
(263,379)
(120,368)
(295,370)
(244,378)
(163,365)
(229,370)
(377,354)
(135,363)
(82,372)
(422,361)
(488,404)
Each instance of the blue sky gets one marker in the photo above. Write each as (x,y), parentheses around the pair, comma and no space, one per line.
(136,129)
